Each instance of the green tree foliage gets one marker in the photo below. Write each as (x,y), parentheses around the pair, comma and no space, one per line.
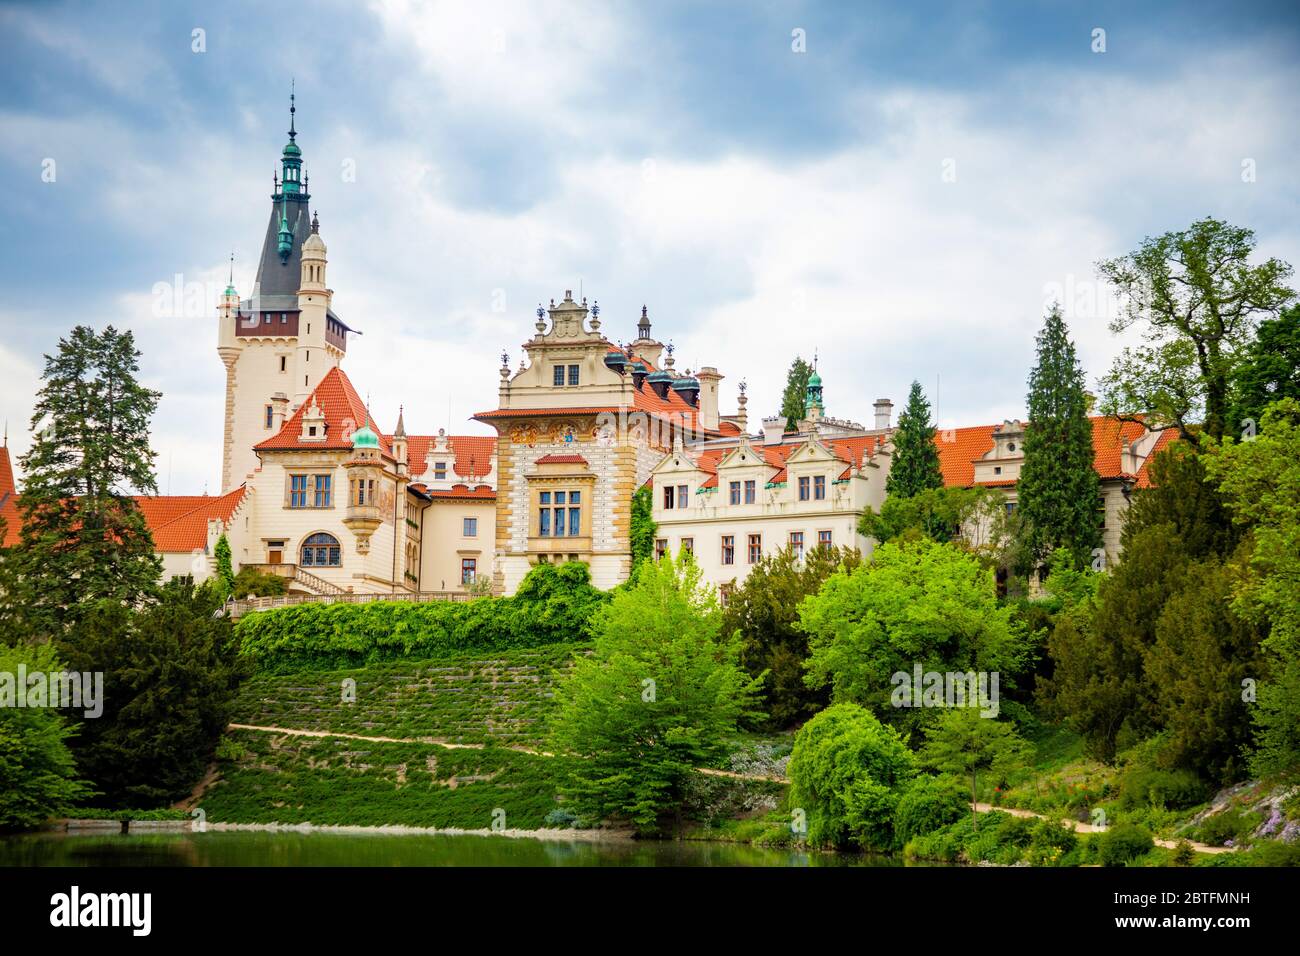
(83,537)
(643,528)
(656,698)
(796,393)
(915,603)
(1197,296)
(1114,679)
(942,514)
(915,466)
(554,604)
(1269,370)
(963,743)
(225,569)
(38,778)
(1058,487)
(764,611)
(927,805)
(1261,481)
(170,673)
(847,773)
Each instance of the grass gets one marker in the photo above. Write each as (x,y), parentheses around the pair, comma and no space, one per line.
(278,778)
(498,697)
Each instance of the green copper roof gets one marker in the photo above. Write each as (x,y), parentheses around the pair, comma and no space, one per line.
(814,379)
(363,437)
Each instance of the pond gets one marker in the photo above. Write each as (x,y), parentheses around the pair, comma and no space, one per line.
(321,848)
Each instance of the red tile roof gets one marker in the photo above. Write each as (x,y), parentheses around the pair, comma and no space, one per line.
(188,530)
(960,448)
(561,460)
(177,522)
(474,453)
(1167,438)
(464,492)
(344,412)
(852,451)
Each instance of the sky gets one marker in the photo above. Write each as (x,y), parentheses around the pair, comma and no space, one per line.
(898,189)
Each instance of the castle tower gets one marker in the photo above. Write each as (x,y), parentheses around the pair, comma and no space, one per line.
(280,342)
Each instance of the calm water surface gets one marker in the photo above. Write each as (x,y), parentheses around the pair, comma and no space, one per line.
(353,849)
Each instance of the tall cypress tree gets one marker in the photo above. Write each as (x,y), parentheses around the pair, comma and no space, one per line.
(796,392)
(915,466)
(83,537)
(1058,488)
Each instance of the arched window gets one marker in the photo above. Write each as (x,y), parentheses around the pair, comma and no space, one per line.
(321,550)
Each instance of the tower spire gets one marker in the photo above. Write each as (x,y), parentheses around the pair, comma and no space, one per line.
(292,109)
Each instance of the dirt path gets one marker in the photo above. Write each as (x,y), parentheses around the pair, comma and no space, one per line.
(434,741)
(1079,827)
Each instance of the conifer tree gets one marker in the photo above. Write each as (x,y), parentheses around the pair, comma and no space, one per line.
(915,465)
(796,393)
(83,537)
(1058,488)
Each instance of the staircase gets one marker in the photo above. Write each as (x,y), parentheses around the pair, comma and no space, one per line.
(304,579)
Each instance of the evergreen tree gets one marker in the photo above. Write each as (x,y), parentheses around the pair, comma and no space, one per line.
(916,458)
(83,537)
(796,393)
(225,567)
(1058,487)
(170,673)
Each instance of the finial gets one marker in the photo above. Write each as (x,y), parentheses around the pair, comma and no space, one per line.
(505,359)
(669,348)
(292,109)
(232,267)
(595,309)
(315,223)
(743,386)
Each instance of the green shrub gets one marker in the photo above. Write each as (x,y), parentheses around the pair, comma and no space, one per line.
(554,604)
(846,773)
(1166,789)
(1262,853)
(257,583)
(1051,843)
(929,804)
(1232,824)
(1123,843)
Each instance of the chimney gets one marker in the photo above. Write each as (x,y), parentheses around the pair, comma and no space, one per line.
(279,411)
(773,430)
(708,402)
(884,412)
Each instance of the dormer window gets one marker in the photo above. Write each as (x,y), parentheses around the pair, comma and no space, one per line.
(311,431)
(439,470)
(997,469)
(1011,446)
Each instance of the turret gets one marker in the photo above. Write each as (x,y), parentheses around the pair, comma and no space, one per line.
(365,471)
(709,378)
(313,316)
(399,443)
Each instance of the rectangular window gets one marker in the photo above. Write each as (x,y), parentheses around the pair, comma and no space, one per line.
(470,528)
(297,491)
(1101,513)
(270,415)
(1011,508)
(688,545)
(557,375)
(683,493)
(575,521)
(755,548)
(735,492)
(440,470)
(573,375)
(282,363)
(322,496)
(544,523)
(728,549)
(796,543)
(750,493)
(468,568)
(661,548)
(824,539)
(819,487)
(724,594)
(804,483)
(668,497)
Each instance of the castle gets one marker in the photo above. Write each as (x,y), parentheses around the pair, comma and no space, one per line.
(314,491)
